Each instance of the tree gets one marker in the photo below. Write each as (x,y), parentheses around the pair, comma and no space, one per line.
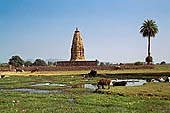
(39,62)
(28,63)
(163,63)
(149,29)
(16,61)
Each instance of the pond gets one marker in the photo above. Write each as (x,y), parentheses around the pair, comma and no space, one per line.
(87,86)
(130,82)
(32,90)
(48,84)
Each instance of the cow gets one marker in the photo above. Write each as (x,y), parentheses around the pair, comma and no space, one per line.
(2,76)
(19,70)
(163,79)
(34,70)
(121,83)
(93,73)
(103,82)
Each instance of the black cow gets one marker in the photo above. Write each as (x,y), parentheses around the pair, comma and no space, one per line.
(2,76)
(34,70)
(19,70)
(163,79)
(122,83)
(93,73)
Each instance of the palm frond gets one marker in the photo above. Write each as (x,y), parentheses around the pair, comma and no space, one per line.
(149,28)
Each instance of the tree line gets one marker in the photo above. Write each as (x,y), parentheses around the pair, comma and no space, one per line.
(17,61)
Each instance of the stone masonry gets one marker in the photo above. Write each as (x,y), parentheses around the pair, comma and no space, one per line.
(77,48)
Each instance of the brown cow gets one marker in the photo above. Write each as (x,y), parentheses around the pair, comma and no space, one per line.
(103,82)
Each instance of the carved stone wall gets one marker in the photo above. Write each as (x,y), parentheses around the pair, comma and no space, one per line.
(77,48)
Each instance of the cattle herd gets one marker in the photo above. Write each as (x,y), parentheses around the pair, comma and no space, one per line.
(105,81)
(21,70)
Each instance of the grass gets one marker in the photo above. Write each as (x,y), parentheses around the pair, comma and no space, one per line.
(149,98)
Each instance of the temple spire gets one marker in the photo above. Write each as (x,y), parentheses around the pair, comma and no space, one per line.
(77,48)
(77,29)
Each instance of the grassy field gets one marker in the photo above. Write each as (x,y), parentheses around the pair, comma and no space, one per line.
(148,98)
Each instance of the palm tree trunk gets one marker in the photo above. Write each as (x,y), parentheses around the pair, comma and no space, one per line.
(149,46)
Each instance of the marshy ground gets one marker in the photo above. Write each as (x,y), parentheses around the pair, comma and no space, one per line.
(65,92)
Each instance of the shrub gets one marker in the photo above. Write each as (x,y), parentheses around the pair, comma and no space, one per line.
(139,63)
(28,63)
(39,62)
(16,61)
(163,62)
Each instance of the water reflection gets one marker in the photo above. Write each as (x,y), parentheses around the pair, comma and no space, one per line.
(88,86)
(131,82)
(32,90)
(48,84)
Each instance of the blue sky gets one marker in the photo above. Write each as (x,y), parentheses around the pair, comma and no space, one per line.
(109,28)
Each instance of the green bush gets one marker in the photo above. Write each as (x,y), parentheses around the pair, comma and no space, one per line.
(39,62)
(163,63)
(139,63)
(28,63)
(16,61)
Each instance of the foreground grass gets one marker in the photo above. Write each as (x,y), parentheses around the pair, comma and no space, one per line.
(152,97)
(16,102)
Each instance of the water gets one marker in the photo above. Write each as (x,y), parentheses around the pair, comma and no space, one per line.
(32,90)
(88,86)
(131,82)
(71,100)
(48,84)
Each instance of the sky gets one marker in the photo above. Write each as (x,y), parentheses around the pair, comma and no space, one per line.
(109,28)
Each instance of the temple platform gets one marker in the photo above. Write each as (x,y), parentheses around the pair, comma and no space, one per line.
(77,63)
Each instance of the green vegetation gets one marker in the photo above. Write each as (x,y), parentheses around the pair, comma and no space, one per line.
(39,62)
(16,61)
(151,97)
(149,29)
(28,63)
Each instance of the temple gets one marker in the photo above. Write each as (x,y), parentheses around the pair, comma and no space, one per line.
(77,53)
(77,49)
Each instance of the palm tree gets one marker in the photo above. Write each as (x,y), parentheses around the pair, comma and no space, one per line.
(149,29)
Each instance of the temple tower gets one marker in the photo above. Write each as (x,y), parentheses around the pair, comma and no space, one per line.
(77,49)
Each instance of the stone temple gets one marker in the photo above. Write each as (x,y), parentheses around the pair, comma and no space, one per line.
(77,49)
(77,53)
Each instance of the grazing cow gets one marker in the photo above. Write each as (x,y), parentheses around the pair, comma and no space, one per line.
(163,79)
(34,70)
(93,73)
(117,67)
(122,83)
(103,82)
(2,76)
(19,70)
